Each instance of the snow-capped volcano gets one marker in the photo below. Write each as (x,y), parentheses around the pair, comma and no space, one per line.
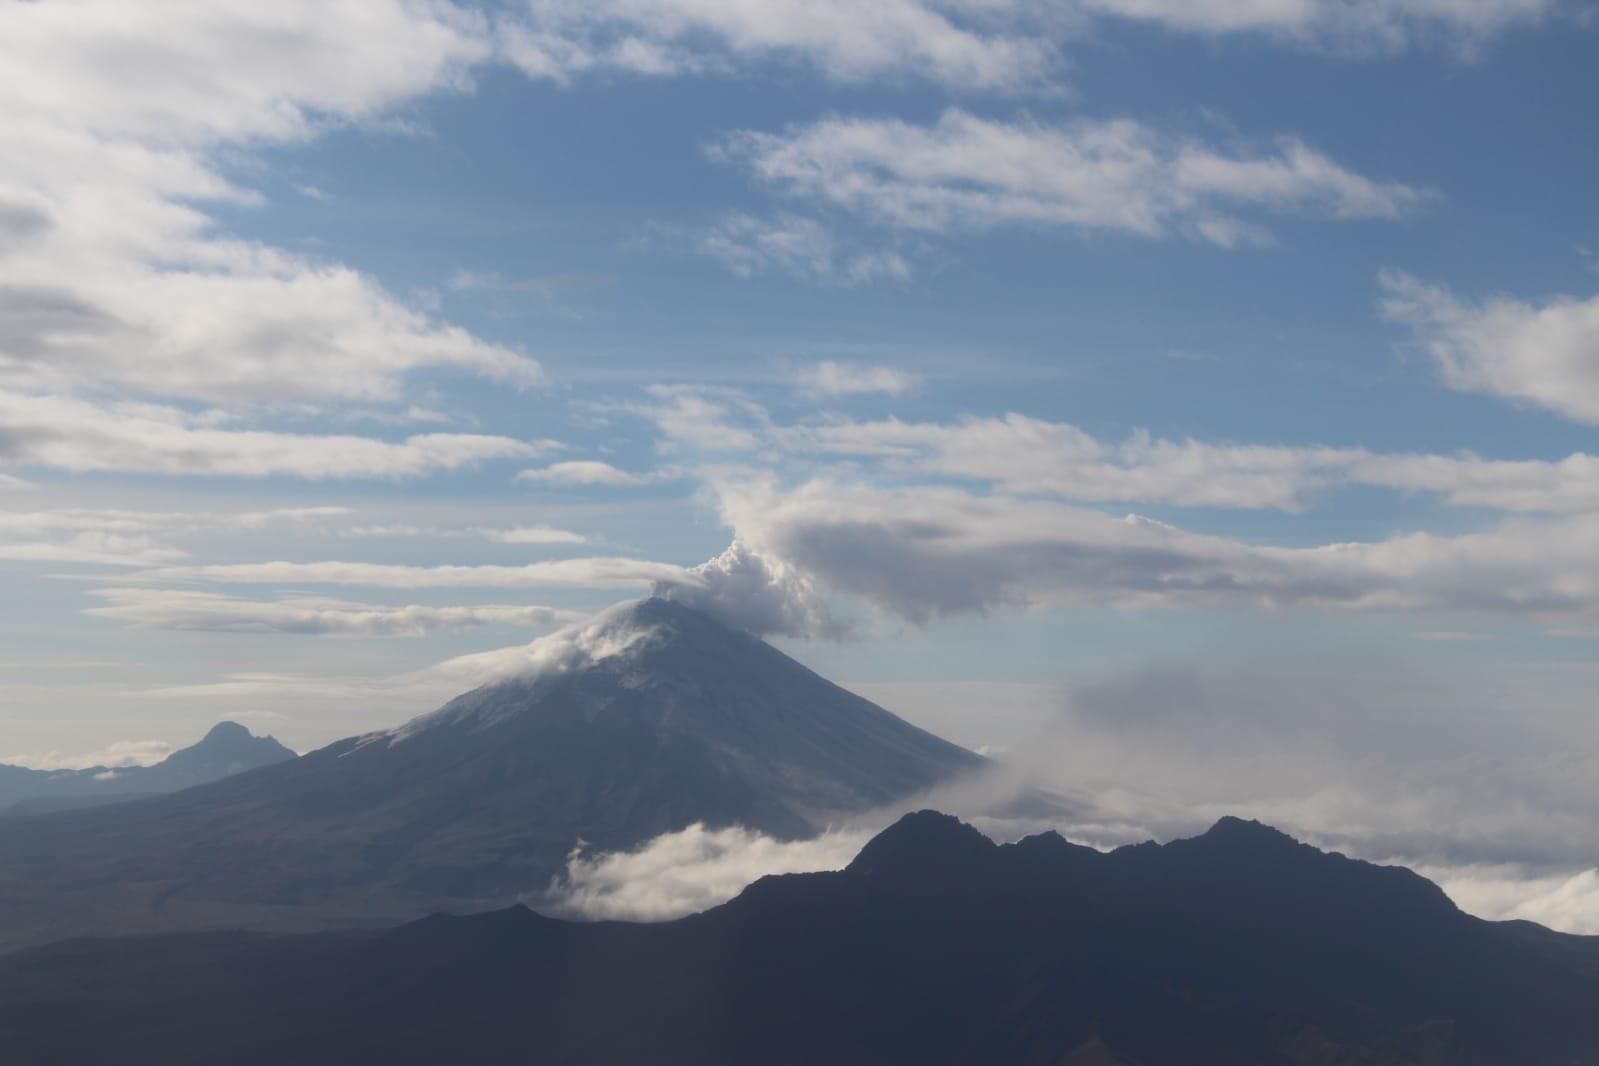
(648,718)
(704,722)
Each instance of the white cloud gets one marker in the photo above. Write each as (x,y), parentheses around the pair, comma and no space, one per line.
(14,484)
(534,535)
(1358,24)
(1036,457)
(969,173)
(1546,355)
(82,435)
(800,248)
(1568,902)
(602,572)
(118,537)
(583,472)
(1028,456)
(1569,485)
(854,379)
(956,45)
(183,610)
(689,871)
(116,121)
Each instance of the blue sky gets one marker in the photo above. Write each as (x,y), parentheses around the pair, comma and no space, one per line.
(1030,346)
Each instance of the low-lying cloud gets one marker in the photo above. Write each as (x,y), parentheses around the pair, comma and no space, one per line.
(689,871)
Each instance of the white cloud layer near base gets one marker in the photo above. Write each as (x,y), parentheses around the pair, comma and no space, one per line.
(117,754)
(1354,749)
(689,871)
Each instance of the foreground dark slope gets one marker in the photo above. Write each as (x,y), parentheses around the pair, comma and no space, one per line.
(227,749)
(657,717)
(934,947)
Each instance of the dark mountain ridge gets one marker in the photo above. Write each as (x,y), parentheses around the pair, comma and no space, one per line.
(651,718)
(227,749)
(934,947)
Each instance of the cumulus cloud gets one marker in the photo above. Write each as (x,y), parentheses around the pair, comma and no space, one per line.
(68,433)
(762,595)
(1546,355)
(799,248)
(853,379)
(112,274)
(189,611)
(964,173)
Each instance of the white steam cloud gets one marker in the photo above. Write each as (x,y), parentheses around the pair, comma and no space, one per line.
(756,592)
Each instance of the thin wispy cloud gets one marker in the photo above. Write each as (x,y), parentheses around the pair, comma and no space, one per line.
(182,610)
(829,378)
(966,173)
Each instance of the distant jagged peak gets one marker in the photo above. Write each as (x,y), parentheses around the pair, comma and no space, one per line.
(922,843)
(228,741)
